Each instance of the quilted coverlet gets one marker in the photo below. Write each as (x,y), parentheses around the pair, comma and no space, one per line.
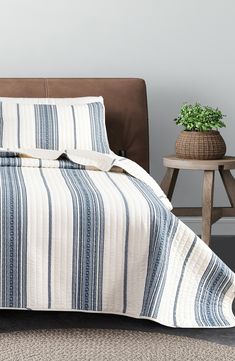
(92,232)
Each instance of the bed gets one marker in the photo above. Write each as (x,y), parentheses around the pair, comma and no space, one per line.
(85,228)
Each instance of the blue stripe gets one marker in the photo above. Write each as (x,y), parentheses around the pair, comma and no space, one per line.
(98,130)
(13,235)
(163,226)
(46,126)
(217,279)
(126,243)
(88,240)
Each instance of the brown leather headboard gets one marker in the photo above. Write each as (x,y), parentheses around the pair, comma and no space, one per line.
(125,102)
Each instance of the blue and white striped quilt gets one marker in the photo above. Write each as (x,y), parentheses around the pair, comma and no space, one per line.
(94,238)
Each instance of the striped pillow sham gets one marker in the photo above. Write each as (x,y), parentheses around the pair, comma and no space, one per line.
(54,101)
(55,127)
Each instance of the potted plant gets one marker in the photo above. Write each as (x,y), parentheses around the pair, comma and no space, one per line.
(200,138)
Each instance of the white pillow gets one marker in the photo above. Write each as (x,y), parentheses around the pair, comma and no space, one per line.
(70,101)
(53,126)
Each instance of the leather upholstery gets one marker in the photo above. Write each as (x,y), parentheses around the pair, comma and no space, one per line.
(125,102)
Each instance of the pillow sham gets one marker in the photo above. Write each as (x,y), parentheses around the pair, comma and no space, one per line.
(69,101)
(55,127)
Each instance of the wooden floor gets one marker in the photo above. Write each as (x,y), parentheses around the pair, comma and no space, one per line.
(224,247)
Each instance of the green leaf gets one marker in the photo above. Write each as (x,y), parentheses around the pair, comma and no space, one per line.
(200,118)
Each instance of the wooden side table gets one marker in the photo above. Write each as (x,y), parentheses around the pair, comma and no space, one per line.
(209,213)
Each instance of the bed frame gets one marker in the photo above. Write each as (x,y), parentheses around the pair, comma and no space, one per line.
(125,103)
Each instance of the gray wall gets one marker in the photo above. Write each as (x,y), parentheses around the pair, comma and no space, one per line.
(183,49)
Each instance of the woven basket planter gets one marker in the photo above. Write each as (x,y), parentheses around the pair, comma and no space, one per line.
(200,145)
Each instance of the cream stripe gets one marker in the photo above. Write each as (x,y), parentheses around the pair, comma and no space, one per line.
(62,239)
(195,268)
(10,128)
(82,118)
(65,127)
(27,123)
(114,237)
(138,243)
(179,249)
(37,235)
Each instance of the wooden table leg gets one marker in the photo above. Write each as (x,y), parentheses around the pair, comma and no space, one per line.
(169,180)
(229,185)
(207,204)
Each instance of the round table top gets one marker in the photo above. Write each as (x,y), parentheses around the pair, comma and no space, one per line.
(171,161)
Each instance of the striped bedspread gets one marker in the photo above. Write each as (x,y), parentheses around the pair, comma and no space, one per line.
(95,233)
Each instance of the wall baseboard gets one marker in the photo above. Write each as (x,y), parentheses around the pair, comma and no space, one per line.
(224,227)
